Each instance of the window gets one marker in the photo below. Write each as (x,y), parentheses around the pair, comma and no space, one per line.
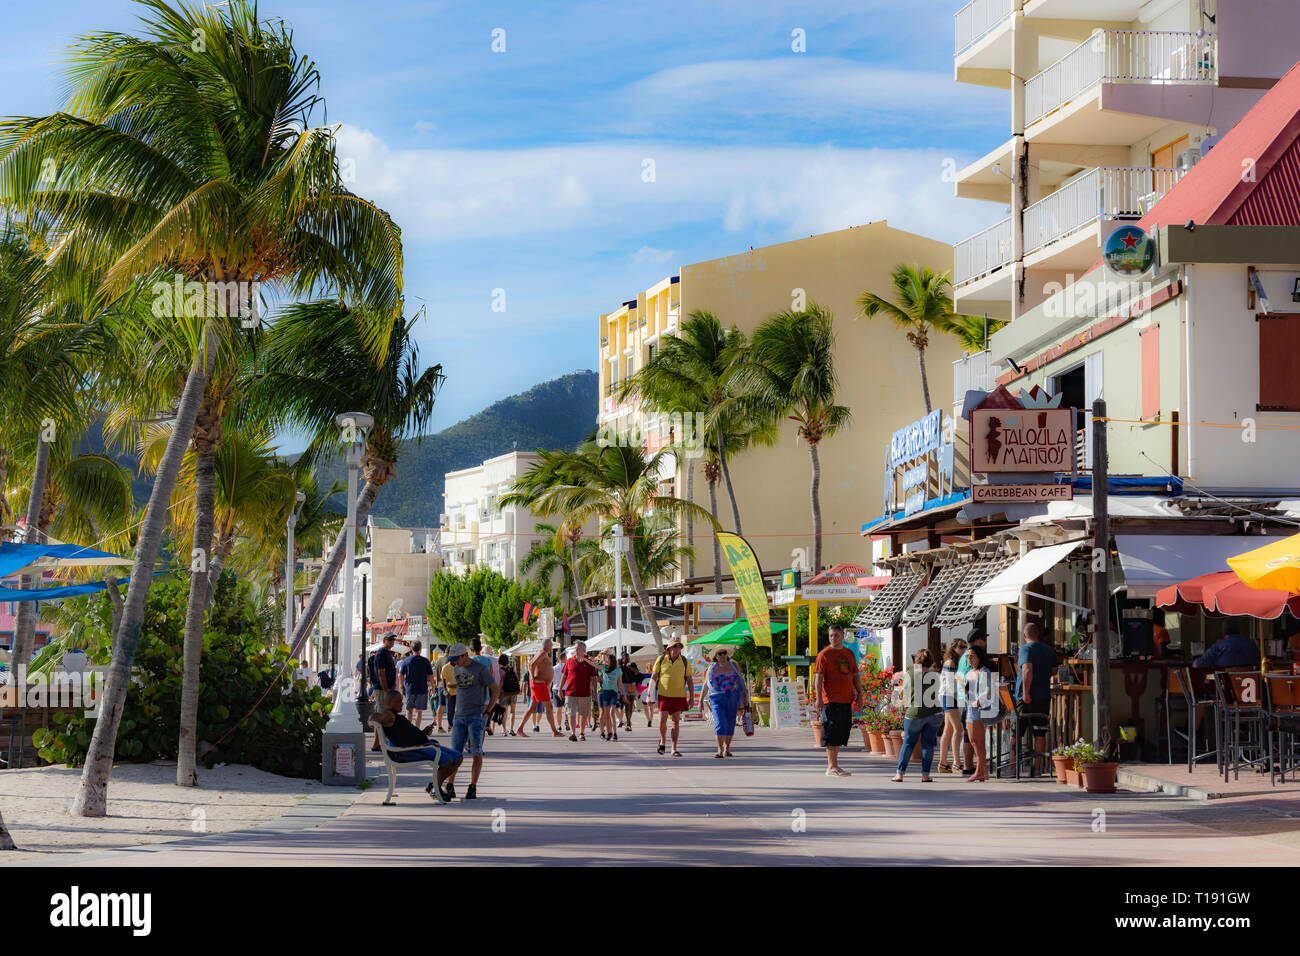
(1279,351)
(1150,339)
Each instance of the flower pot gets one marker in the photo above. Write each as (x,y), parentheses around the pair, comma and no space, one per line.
(866,738)
(1073,777)
(877,741)
(1099,777)
(1062,765)
(891,746)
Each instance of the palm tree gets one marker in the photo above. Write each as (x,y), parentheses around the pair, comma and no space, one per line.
(696,371)
(922,303)
(791,370)
(614,484)
(551,556)
(655,544)
(317,364)
(973,331)
(195,159)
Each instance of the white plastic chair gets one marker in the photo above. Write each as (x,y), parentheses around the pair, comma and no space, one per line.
(387,750)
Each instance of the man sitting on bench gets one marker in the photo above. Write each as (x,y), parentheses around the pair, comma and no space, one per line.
(402,733)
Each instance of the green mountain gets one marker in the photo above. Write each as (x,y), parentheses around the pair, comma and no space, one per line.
(555,414)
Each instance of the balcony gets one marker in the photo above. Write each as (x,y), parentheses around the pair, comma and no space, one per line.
(977,19)
(611,387)
(604,340)
(982,253)
(974,370)
(1104,193)
(1134,57)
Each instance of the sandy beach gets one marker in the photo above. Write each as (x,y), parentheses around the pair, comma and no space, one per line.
(144,807)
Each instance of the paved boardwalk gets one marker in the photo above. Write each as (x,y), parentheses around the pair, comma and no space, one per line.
(544,800)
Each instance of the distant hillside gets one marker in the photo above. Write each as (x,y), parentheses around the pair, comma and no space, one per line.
(555,414)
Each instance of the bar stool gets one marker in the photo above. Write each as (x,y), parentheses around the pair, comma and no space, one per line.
(1241,704)
(1282,722)
(1182,682)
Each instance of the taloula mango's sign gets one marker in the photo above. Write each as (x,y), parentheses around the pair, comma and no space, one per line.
(1029,440)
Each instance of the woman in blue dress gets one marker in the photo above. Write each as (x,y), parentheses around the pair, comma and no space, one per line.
(727,693)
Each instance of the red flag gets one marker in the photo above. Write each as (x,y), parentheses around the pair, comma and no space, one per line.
(566,622)
(528,611)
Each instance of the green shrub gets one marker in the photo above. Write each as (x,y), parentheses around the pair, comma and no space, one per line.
(239,674)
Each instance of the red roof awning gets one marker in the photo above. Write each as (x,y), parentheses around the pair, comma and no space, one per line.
(1223,594)
(874,582)
(839,574)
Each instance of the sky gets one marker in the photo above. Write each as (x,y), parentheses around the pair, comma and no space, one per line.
(601,146)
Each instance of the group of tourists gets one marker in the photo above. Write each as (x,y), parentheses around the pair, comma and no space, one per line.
(472,691)
(952,704)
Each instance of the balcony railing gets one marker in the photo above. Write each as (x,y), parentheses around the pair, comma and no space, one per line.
(1107,192)
(973,371)
(982,252)
(609,389)
(1122,56)
(978,18)
(604,340)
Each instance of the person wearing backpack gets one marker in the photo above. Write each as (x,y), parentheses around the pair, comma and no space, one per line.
(671,676)
(510,689)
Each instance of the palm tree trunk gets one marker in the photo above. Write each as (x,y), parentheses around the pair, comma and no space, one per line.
(731,492)
(326,578)
(925,380)
(225,544)
(642,599)
(717,545)
(115,597)
(25,623)
(205,487)
(690,519)
(815,495)
(92,796)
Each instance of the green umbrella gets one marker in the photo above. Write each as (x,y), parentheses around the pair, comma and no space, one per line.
(737,633)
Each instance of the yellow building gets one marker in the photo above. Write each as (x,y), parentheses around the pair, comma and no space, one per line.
(877,367)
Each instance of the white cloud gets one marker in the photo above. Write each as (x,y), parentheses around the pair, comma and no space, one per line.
(781,192)
(807,87)
(649,255)
(424,126)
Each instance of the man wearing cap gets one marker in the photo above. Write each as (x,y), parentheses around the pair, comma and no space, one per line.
(671,676)
(476,695)
(385,677)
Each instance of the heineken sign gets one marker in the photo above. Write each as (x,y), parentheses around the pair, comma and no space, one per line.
(1129,251)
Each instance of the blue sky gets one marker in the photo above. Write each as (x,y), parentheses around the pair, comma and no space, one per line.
(522,170)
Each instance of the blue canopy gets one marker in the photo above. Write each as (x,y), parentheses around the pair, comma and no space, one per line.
(60,591)
(18,557)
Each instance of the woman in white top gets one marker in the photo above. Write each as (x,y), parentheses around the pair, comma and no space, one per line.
(981,708)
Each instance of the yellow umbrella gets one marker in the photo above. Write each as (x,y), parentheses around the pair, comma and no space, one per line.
(1274,567)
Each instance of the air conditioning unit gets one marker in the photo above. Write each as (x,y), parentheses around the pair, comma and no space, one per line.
(1186,160)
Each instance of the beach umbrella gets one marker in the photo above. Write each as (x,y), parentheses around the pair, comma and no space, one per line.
(736,633)
(1274,567)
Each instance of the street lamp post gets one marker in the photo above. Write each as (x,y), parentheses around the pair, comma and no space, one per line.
(618,548)
(290,566)
(343,760)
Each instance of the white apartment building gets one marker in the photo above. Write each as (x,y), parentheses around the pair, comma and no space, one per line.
(476,530)
(1111,102)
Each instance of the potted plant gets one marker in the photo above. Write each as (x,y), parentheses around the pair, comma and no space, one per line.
(1097,773)
(875,732)
(893,729)
(1063,761)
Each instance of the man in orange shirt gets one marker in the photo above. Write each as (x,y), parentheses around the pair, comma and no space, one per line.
(837,691)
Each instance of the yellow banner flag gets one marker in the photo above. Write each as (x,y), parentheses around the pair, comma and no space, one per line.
(749,582)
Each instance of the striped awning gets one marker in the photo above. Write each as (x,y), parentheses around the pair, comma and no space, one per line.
(886,607)
(960,607)
(930,598)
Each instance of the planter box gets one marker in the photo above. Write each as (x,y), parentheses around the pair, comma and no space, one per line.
(1074,778)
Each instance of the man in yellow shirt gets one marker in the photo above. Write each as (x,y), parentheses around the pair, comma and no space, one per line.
(672,677)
